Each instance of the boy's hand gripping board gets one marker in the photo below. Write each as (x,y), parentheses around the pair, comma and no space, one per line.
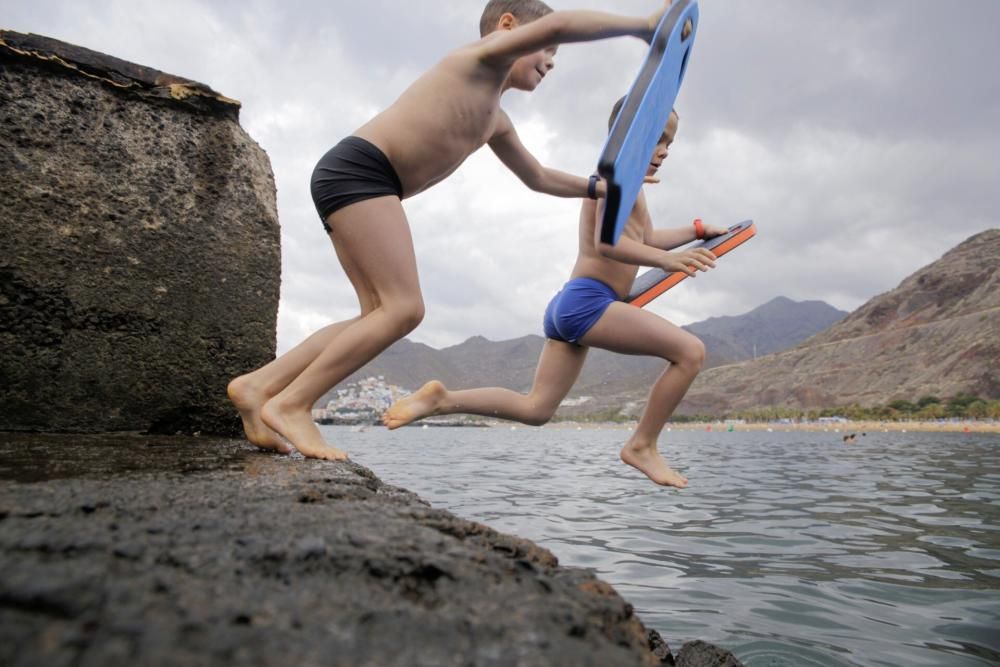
(629,148)
(655,282)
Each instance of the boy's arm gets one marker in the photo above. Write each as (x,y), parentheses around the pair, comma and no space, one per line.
(564,27)
(508,147)
(667,239)
(629,251)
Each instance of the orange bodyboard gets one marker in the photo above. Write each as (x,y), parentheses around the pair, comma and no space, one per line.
(655,282)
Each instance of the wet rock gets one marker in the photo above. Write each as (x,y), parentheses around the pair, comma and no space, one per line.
(139,268)
(660,649)
(57,595)
(703,654)
(267,579)
(227,565)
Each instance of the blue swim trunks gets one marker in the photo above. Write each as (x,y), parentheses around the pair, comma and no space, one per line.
(574,310)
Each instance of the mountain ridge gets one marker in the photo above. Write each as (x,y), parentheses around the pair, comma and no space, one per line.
(937,333)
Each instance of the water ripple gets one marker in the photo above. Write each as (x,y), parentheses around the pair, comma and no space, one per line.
(788,548)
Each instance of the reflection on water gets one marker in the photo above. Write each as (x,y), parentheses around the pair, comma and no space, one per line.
(787,548)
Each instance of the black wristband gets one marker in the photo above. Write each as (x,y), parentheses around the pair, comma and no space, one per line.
(592,186)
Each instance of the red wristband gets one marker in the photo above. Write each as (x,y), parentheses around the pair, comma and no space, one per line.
(699,229)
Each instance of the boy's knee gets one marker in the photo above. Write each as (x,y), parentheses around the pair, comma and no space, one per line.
(700,351)
(407,315)
(414,314)
(697,353)
(692,354)
(539,415)
(538,418)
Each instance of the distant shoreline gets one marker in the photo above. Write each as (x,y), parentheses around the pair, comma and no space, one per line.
(847,427)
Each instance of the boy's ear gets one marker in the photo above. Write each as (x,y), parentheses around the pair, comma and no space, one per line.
(507,22)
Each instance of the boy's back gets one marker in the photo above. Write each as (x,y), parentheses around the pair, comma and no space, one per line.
(442,118)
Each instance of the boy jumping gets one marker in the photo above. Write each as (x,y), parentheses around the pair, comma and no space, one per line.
(589,312)
(442,118)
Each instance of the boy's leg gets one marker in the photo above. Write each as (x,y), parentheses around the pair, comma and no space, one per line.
(250,392)
(558,368)
(629,330)
(373,240)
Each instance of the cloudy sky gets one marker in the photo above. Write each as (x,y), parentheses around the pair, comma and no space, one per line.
(861,137)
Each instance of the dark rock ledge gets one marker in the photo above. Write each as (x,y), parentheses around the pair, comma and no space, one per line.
(212,553)
(144,81)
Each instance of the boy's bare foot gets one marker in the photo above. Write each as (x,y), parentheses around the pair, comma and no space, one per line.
(298,427)
(647,460)
(418,405)
(248,402)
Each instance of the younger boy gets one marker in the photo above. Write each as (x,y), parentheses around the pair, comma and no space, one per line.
(589,312)
(442,118)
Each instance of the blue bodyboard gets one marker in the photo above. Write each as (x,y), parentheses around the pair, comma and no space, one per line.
(629,148)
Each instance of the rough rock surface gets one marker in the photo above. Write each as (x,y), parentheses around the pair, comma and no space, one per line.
(164,551)
(938,333)
(702,654)
(140,256)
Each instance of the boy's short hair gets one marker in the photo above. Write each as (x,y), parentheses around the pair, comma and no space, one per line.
(617,108)
(525,11)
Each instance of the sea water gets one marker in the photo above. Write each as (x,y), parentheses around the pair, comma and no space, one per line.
(786,548)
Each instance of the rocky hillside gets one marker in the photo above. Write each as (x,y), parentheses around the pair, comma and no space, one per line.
(775,326)
(938,333)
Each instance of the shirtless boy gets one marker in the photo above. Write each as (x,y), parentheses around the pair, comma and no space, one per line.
(589,312)
(442,118)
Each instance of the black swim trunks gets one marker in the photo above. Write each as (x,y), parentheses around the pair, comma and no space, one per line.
(352,171)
